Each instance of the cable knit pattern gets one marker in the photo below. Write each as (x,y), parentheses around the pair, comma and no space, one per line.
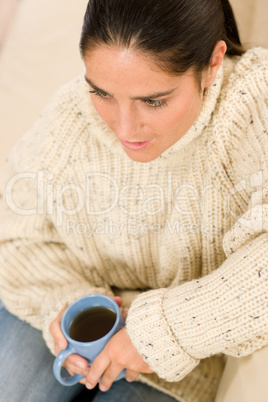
(182,238)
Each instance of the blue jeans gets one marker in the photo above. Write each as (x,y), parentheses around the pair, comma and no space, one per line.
(122,391)
(26,372)
(26,365)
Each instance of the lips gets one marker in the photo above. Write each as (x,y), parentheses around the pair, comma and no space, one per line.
(135,146)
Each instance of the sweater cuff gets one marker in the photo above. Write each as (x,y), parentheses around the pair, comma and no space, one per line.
(152,336)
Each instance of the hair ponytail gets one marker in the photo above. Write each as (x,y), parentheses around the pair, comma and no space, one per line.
(231,34)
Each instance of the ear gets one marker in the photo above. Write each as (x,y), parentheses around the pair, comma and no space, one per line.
(215,63)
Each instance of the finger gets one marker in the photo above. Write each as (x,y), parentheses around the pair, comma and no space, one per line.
(73,369)
(132,375)
(76,361)
(96,370)
(118,300)
(109,377)
(125,313)
(76,364)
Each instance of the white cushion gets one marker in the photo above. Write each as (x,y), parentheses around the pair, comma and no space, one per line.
(41,52)
(251,16)
(245,380)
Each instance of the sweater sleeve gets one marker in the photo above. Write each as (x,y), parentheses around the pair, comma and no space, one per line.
(225,312)
(39,274)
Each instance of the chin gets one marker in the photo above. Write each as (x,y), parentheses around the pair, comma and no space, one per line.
(139,157)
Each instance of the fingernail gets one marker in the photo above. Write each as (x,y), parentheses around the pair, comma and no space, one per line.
(80,364)
(88,385)
(129,379)
(102,388)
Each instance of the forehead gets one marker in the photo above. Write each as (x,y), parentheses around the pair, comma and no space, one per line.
(125,67)
(122,57)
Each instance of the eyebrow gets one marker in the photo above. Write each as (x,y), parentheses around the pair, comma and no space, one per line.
(148,97)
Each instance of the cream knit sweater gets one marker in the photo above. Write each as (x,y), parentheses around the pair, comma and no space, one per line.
(185,233)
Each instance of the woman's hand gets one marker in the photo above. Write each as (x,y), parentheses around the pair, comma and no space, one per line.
(74,364)
(119,353)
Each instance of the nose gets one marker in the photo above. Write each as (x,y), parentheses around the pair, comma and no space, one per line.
(127,123)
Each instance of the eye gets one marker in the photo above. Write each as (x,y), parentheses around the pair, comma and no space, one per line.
(155,104)
(101,95)
(152,103)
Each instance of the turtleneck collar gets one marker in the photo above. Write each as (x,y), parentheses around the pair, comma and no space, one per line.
(107,137)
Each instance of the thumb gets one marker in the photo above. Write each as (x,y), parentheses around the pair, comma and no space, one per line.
(55,329)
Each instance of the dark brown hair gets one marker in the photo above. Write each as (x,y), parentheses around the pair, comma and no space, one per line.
(177,34)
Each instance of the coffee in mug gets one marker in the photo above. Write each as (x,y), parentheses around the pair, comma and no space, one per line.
(92,324)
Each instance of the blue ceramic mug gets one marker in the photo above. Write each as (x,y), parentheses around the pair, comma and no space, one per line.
(88,350)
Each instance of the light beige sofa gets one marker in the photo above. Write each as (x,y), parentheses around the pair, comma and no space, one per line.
(38,53)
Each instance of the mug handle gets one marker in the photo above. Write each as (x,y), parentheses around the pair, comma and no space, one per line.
(58,362)
(69,381)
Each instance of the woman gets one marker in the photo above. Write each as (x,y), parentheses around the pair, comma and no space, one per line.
(144,179)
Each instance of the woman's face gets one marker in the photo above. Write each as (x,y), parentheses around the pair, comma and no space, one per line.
(147,109)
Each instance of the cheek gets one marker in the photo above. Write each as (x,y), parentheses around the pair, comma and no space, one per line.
(178,114)
(186,111)
(170,118)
